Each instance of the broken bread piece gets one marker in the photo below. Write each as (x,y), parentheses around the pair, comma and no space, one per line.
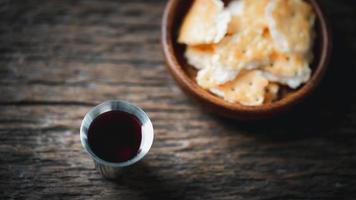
(291,24)
(247,13)
(247,89)
(248,49)
(288,69)
(205,23)
(247,52)
(213,75)
(236,11)
(201,56)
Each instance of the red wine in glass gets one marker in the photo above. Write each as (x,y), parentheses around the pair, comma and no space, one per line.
(115,136)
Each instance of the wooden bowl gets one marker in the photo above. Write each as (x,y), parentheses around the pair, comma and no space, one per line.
(177,65)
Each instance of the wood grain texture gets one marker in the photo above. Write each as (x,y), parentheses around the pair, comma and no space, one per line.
(59,58)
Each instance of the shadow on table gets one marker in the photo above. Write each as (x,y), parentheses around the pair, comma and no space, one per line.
(145,182)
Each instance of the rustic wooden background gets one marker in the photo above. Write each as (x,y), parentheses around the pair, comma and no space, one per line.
(58,58)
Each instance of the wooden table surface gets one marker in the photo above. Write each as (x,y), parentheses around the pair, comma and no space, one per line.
(59,58)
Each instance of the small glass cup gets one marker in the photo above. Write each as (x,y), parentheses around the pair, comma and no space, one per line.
(112,170)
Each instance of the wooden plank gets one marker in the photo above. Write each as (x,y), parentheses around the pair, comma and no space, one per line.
(59,58)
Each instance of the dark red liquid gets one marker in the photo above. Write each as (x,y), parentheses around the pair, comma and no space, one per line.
(115,136)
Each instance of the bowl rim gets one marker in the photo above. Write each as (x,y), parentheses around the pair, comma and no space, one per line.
(188,85)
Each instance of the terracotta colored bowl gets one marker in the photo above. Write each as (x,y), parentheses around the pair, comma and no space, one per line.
(185,75)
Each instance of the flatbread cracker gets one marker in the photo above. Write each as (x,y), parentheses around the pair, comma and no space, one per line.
(213,76)
(201,56)
(247,89)
(236,11)
(291,24)
(205,23)
(248,49)
(244,55)
(289,69)
(247,13)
